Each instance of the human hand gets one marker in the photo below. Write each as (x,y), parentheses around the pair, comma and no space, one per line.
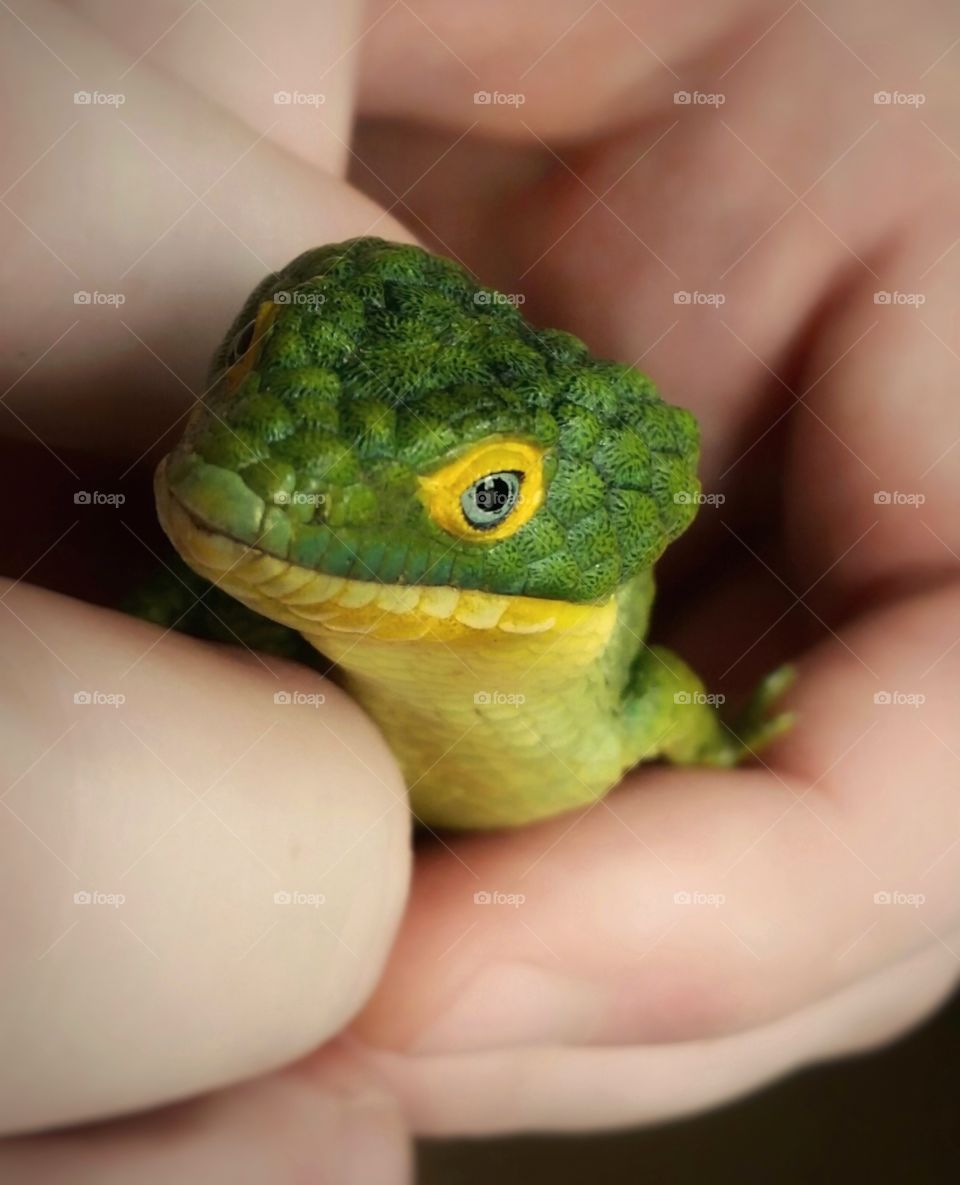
(805,218)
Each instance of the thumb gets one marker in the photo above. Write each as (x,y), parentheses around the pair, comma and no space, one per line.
(323,1121)
(205,876)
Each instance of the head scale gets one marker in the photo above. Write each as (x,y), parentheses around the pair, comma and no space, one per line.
(377,414)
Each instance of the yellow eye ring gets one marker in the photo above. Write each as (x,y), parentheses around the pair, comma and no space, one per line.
(443,491)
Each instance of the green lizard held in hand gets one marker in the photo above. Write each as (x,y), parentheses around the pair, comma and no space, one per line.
(462,512)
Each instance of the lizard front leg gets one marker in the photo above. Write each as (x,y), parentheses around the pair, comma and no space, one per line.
(668,713)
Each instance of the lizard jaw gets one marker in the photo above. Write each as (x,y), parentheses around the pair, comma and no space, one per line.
(321,605)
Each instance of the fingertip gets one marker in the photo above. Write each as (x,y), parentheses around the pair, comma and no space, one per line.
(207,879)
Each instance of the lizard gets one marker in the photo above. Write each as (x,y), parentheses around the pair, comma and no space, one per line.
(462,512)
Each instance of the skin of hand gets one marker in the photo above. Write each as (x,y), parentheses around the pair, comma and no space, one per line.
(697,933)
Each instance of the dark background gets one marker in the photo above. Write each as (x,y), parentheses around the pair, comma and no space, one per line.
(882,1119)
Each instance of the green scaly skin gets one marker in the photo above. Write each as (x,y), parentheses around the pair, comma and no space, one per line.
(384,362)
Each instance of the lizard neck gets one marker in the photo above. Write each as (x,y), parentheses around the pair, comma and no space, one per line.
(499,709)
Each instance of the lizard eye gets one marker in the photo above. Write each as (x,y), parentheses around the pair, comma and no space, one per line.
(241,343)
(477,495)
(245,349)
(488,501)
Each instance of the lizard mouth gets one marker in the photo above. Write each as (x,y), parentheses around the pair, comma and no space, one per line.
(320,605)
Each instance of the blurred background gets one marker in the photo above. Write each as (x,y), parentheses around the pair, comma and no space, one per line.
(887,1118)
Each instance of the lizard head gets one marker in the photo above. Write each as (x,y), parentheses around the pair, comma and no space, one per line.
(374,414)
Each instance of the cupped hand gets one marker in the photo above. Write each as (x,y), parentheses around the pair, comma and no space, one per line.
(762,250)
(772,236)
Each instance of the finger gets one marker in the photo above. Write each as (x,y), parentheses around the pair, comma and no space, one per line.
(204,881)
(208,208)
(694,903)
(329,1124)
(289,79)
(507,65)
(500,1092)
(873,481)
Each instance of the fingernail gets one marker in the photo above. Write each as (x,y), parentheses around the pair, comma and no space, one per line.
(515,1004)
